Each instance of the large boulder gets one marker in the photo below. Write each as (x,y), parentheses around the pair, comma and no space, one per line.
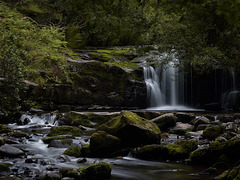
(184,117)
(10,151)
(212,132)
(132,129)
(165,121)
(227,152)
(200,120)
(103,144)
(4,129)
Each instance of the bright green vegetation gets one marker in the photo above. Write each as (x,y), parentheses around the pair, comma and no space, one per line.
(231,174)
(37,36)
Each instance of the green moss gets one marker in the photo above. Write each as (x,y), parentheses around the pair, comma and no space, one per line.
(181,149)
(2,141)
(66,141)
(47,140)
(85,151)
(73,151)
(18,134)
(5,129)
(152,152)
(64,130)
(213,132)
(38,131)
(69,172)
(231,174)
(5,167)
(97,170)
(76,119)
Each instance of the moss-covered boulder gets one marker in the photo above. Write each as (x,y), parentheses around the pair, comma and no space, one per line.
(70,173)
(212,132)
(184,117)
(165,121)
(48,140)
(151,152)
(132,129)
(231,174)
(64,130)
(96,171)
(5,129)
(103,144)
(181,149)
(4,169)
(18,134)
(64,143)
(74,118)
(227,152)
(73,151)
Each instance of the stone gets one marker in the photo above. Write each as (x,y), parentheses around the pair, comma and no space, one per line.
(103,144)
(70,172)
(184,117)
(2,141)
(201,120)
(97,170)
(10,151)
(154,151)
(181,149)
(230,174)
(4,129)
(65,130)
(73,151)
(212,132)
(165,121)
(4,169)
(132,129)
(64,143)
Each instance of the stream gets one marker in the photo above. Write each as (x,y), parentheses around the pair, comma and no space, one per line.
(40,158)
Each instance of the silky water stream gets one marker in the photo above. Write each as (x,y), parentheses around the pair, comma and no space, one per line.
(41,159)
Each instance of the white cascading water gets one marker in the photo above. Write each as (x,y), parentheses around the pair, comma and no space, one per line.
(230,97)
(165,86)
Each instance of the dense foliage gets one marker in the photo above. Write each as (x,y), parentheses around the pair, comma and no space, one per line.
(35,34)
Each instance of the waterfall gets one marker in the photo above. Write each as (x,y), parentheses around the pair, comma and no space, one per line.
(231,96)
(165,85)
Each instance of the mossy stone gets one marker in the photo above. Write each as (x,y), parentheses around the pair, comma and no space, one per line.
(85,151)
(75,119)
(2,141)
(18,134)
(178,131)
(103,144)
(151,152)
(132,129)
(70,172)
(231,174)
(64,130)
(47,140)
(181,149)
(73,151)
(4,169)
(5,129)
(97,170)
(212,132)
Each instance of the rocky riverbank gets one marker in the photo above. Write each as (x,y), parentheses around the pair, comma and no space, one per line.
(76,144)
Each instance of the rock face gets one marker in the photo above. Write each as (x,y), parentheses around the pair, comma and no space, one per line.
(132,129)
(103,144)
(95,81)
